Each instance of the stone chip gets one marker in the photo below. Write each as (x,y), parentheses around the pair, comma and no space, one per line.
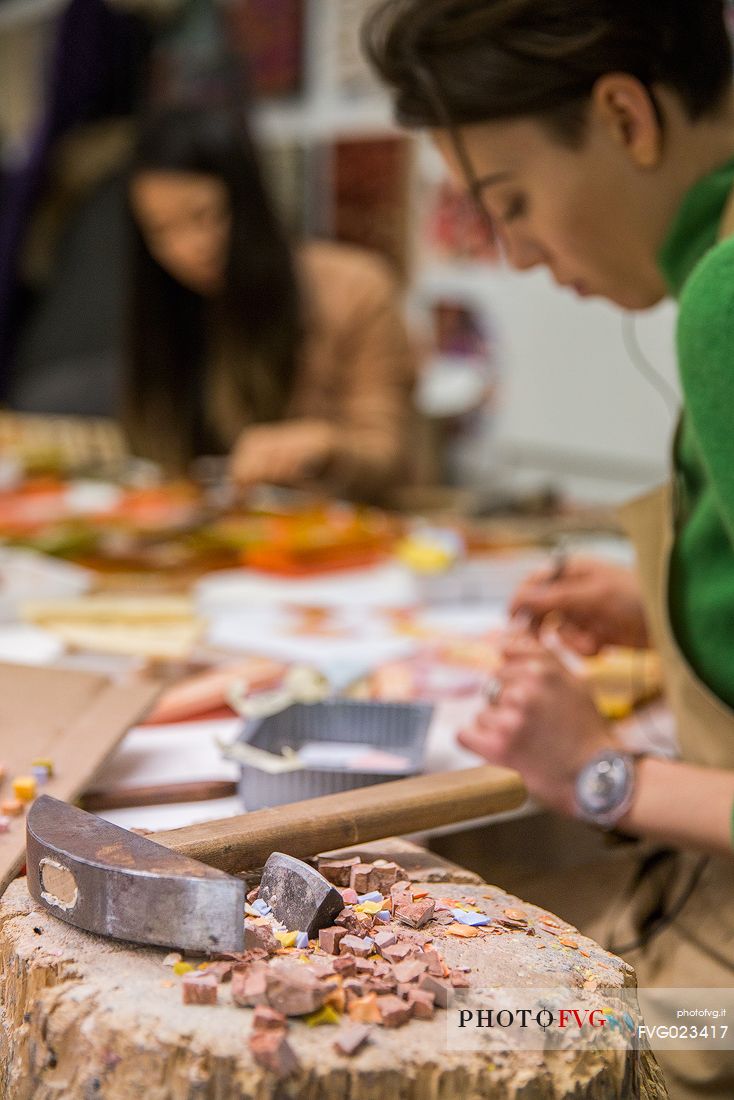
(199,988)
(272,1051)
(351,1038)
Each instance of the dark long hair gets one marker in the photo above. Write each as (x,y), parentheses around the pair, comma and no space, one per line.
(502,59)
(258,314)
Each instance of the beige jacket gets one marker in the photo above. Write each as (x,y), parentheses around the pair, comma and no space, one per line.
(357,370)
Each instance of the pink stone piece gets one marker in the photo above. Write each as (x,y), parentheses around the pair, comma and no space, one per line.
(199,988)
(273,1052)
(393,1010)
(410,970)
(337,871)
(351,1038)
(329,939)
(417,913)
(249,985)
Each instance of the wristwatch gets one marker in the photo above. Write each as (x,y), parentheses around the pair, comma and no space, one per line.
(605,787)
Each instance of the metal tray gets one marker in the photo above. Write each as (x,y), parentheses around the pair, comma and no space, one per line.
(392,727)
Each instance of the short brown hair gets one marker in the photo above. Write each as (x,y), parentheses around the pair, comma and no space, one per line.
(501,59)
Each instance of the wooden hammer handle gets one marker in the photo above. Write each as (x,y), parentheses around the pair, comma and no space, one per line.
(351,817)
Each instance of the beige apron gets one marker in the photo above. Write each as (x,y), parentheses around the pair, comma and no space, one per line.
(696,947)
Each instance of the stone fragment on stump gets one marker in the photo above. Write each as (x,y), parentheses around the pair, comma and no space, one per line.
(351,1038)
(361,877)
(272,1051)
(364,1010)
(381,986)
(294,989)
(435,963)
(249,985)
(381,968)
(323,967)
(410,969)
(222,971)
(329,939)
(386,938)
(266,1018)
(345,965)
(199,988)
(402,886)
(421,1003)
(386,874)
(337,871)
(356,945)
(353,989)
(440,989)
(398,953)
(394,1012)
(415,936)
(351,922)
(259,937)
(417,913)
(337,999)
(401,894)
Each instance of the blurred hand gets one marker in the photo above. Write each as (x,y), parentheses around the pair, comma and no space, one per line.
(593,604)
(283,454)
(543,724)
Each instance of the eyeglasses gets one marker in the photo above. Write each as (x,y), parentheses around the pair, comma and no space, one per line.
(474,185)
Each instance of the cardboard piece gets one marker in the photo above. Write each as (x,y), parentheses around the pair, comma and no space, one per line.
(75,719)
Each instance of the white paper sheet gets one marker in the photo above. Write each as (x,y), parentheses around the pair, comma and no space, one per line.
(463,621)
(175,816)
(177,753)
(328,654)
(389,586)
(26,575)
(28,645)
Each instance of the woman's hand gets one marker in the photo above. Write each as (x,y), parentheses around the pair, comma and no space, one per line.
(593,603)
(543,724)
(283,454)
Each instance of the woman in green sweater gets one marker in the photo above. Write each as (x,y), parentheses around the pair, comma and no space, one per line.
(598,138)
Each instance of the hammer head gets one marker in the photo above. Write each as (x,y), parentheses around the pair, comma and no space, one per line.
(104,879)
(299,896)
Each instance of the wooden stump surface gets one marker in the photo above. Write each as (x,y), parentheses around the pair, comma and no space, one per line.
(84,1017)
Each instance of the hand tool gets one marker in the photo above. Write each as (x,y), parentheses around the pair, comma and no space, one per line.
(168,888)
(523,622)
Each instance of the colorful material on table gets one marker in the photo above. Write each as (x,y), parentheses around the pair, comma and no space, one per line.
(11,807)
(474,920)
(24,788)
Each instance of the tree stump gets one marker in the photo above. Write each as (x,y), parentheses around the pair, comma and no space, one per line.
(84,1017)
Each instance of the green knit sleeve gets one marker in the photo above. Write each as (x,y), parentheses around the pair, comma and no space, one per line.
(706,360)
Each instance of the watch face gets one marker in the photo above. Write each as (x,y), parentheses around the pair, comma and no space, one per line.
(603,785)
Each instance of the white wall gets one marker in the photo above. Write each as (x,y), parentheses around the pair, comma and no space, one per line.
(574,409)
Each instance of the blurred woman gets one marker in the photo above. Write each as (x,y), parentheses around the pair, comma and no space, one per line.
(293,360)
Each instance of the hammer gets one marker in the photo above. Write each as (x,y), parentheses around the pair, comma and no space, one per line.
(178,888)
